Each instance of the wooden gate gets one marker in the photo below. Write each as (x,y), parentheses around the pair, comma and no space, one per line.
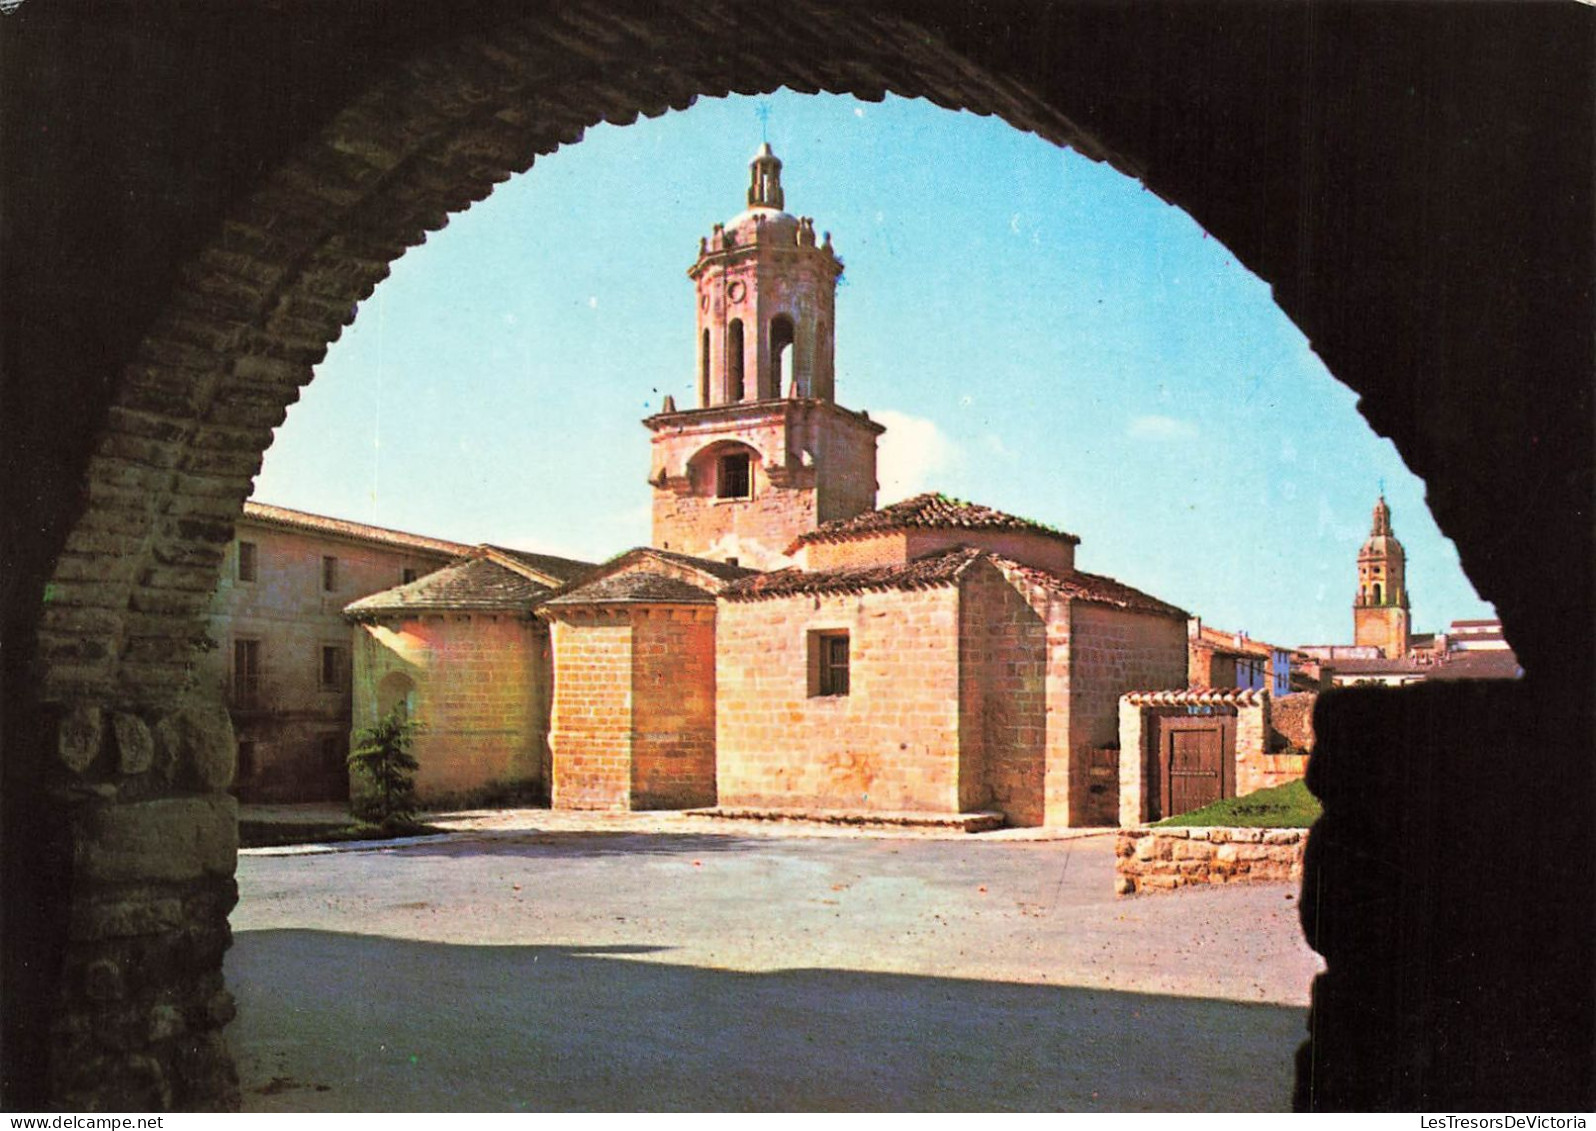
(1196,762)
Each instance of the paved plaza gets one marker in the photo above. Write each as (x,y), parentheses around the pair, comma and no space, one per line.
(539,961)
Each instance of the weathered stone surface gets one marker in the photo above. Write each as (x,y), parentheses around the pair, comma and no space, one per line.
(170,839)
(119,918)
(165,1021)
(78,738)
(102,981)
(1164,858)
(135,746)
(199,741)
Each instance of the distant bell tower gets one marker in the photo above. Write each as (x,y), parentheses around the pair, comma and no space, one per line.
(767,454)
(1380,610)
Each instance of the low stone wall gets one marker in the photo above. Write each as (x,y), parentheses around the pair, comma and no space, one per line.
(1149,859)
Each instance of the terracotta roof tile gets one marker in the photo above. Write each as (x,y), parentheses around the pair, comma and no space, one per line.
(320,524)
(635,587)
(475,583)
(928,511)
(1494,664)
(944,568)
(561,571)
(1093,588)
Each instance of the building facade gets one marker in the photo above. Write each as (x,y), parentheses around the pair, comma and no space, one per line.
(282,650)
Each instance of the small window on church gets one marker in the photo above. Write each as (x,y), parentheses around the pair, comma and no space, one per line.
(828,664)
(407,575)
(734,480)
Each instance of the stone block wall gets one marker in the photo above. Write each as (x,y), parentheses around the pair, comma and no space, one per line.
(1291,719)
(810,462)
(480,697)
(892,743)
(1162,859)
(673,707)
(1112,651)
(591,719)
(1003,699)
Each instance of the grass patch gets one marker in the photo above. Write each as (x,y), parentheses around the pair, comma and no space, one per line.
(274,834)
(1288,806)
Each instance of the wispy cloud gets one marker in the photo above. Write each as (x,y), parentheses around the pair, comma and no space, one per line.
(1160,428)
(912,454)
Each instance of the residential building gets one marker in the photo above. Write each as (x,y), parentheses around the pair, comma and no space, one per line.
(282,650)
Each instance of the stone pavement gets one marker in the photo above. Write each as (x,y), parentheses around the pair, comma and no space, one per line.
(569,962)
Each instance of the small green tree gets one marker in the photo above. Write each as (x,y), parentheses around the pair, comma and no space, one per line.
(382,761)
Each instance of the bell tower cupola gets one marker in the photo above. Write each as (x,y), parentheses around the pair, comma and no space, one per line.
(767,454)
(1380,611)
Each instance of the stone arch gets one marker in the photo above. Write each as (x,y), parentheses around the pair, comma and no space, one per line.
(190,411)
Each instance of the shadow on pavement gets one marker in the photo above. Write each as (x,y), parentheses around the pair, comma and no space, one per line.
(568,844)
(341,1022)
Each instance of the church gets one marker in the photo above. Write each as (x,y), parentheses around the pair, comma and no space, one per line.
(783,645)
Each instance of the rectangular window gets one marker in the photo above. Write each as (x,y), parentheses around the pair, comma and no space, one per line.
(246,561)
(246,673)
(734,480)
(334,665)
(407,575)
(329,575)
(828,663)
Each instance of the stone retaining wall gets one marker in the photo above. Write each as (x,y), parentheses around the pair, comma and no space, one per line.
(1148,859)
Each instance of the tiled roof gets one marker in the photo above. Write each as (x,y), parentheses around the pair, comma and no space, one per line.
(1225,642)
(1478,665)
(475,583)
(930,511)
(562,571)
(1197,697)
(1093,588)
(321,524)
(1406,665)
(635,587)
(723,570)
(943,568)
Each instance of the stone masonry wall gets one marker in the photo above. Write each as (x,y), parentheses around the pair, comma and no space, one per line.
(479,697)
(673,708)
(1003,699)
(1112,651)
(590,723)
(890,744)
(1167,858)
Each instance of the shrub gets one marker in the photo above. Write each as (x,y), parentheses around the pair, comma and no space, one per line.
(385,770)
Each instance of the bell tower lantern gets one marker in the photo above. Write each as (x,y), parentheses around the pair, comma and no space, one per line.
(767,454)
(766,294)
(1380,610)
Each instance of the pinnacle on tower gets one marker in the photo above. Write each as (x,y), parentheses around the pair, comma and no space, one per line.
(764,180)
(1382,518)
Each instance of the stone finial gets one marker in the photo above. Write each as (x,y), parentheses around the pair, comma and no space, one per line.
(668,404)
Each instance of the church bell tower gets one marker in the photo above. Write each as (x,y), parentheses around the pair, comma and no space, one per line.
(1380,610)
(767,454)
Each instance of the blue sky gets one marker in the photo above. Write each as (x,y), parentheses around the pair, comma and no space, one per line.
(1038,332)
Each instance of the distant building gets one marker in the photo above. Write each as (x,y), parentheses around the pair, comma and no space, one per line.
(1217,659)
(283,647)
(1385,651)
